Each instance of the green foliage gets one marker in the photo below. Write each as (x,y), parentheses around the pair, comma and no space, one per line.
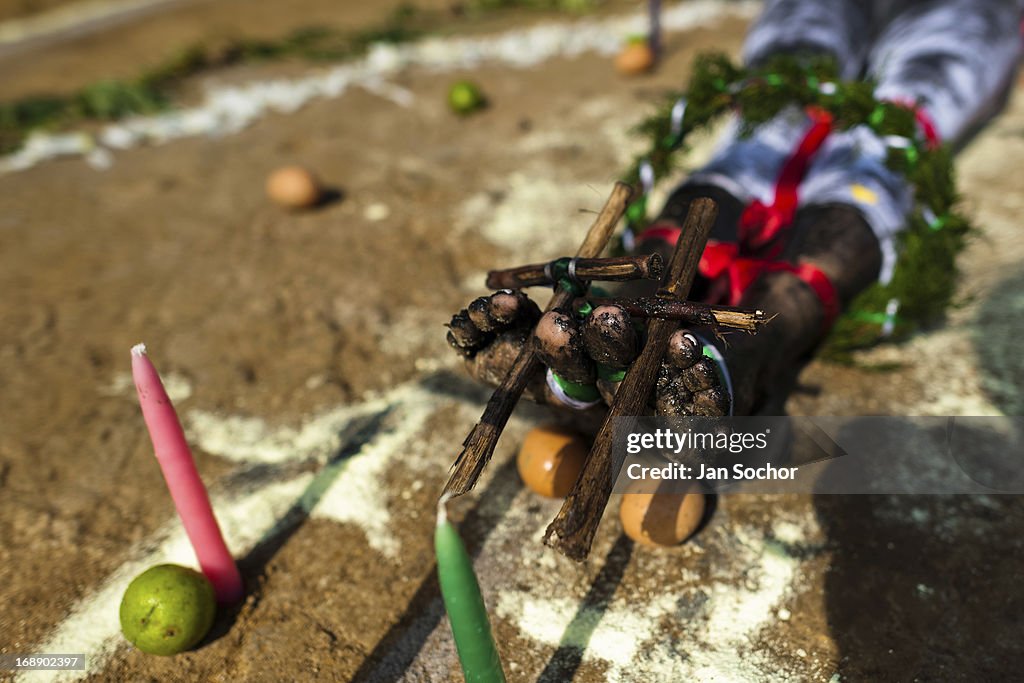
(155,88)
(924,281)
(109,100)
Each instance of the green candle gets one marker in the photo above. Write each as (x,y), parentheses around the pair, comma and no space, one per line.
(465,605)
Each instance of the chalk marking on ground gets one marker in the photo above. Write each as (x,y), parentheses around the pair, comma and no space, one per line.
(230,109)
(354,494)
(360,496)
(521,221)
(93,627)
(732,608)
(179,387)
(517,210)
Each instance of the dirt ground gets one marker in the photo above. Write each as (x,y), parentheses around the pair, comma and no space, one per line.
(307,357)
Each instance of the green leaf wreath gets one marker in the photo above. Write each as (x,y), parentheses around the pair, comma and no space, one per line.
(925,277)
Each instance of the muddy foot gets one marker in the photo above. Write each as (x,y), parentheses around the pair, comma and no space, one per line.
(490,332)
(691,383)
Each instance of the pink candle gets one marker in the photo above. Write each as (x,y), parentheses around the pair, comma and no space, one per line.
(187,490)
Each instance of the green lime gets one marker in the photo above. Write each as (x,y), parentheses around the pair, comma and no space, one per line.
(465,97)
(167,609)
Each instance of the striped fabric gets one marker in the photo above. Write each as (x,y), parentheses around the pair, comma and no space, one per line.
(956,58)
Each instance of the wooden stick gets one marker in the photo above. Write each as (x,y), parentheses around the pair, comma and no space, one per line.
(572,531)
(481,441)
(618,269)
(654,27)
(687,311)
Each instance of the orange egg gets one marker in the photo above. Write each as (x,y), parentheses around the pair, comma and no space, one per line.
(551,459)
(661,519)
(636,58)
(293,187)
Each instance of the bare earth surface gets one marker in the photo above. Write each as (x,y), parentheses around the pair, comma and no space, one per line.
(306,354)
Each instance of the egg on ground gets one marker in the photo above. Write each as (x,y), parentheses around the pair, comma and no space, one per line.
(661,519)
(551,459)
(636,58)
(293,187)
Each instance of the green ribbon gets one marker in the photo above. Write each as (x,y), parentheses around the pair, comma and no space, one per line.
(637,211)
(560,274)
(610,374)
(912,154)
(939,223)
(705,350)
(560,268)
(875,317)
(581,392)
(876,116)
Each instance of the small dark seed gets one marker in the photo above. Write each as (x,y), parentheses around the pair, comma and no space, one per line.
(480,313)
(465,334)
(560,346)
(712,402)
(701,375)
(683,349)
(505,307)
(673,401)
(609,337)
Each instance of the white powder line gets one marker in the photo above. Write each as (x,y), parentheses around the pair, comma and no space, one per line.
(351,491)
(736,605)
(178,386)
(403,97)
(251,440)
(557,622)
(230,109)
(360,496)
(93,626)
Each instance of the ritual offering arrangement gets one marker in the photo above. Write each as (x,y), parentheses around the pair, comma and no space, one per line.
(610,370)
(294,187)
(548,341)
(167,609)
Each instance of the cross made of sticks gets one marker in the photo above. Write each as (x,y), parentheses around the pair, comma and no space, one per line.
(573,529)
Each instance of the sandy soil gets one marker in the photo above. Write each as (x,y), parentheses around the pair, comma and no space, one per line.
(120,45)
(308,353)
(10,9)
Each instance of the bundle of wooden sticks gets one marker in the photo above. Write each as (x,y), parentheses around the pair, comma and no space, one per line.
(573,529)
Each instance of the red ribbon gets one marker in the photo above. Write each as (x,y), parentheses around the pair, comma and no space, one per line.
(927,124)
(760,223)
(923,119)
(666,232)
(723,259)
